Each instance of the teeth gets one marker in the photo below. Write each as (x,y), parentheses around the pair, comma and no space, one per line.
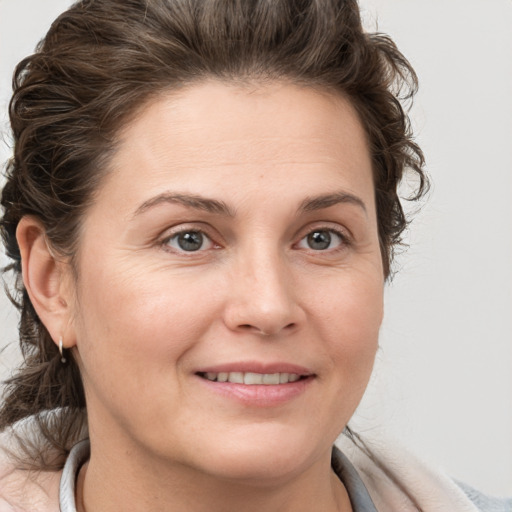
(250,378)
(271,378)
(253,378)
(236,377)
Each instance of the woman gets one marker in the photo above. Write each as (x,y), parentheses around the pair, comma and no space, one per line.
(202,209)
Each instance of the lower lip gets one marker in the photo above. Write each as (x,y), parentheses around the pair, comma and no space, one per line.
(259,395)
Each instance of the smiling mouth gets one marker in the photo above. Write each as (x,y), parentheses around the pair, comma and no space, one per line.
(252,379)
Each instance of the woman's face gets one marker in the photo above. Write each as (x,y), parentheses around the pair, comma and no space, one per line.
(233,245)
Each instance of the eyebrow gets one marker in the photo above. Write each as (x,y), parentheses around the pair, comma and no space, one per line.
(320,202)
(189,200)
(217,207)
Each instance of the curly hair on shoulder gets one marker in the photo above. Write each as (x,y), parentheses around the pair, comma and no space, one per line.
(102,61)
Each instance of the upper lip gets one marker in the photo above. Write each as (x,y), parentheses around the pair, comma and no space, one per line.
(256,367)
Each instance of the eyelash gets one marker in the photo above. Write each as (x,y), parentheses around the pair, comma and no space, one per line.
(174,236)
(345,240)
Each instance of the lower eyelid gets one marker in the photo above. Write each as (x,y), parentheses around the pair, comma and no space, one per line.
(344,239)
(207,240)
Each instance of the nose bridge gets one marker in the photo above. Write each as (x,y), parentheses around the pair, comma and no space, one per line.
(263,298)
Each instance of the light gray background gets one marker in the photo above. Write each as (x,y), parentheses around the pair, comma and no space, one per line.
(443,380)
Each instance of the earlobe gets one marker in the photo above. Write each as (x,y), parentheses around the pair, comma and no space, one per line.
(45,278)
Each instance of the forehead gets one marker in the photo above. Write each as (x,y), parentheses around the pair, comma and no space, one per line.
(218,113)
(213,134)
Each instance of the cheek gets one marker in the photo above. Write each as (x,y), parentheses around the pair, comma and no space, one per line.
(348,315)
(352,314)
(131,320)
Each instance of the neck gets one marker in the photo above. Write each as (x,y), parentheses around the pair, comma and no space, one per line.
(152,486)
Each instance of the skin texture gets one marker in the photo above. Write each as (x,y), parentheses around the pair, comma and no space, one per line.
(145,316)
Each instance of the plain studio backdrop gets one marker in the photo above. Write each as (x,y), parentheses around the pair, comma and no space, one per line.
(443,378)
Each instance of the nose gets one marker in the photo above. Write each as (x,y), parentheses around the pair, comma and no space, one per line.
(262,296)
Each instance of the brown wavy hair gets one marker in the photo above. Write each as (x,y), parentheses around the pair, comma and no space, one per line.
(101,62)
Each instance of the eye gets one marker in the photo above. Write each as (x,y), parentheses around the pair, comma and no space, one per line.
(322,240)
(189,241)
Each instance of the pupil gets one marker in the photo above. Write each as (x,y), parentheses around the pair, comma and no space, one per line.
(319,240)
(190,241)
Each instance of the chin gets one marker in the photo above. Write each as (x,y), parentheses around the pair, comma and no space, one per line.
(265,456)
(258,468)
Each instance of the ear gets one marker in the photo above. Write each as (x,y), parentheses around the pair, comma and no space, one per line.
(47,279)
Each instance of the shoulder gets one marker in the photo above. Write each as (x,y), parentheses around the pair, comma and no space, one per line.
(28,491)
(484,502)
(23,490)
(398,480)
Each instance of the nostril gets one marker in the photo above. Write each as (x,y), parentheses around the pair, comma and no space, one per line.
(264,332)
(254,329)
